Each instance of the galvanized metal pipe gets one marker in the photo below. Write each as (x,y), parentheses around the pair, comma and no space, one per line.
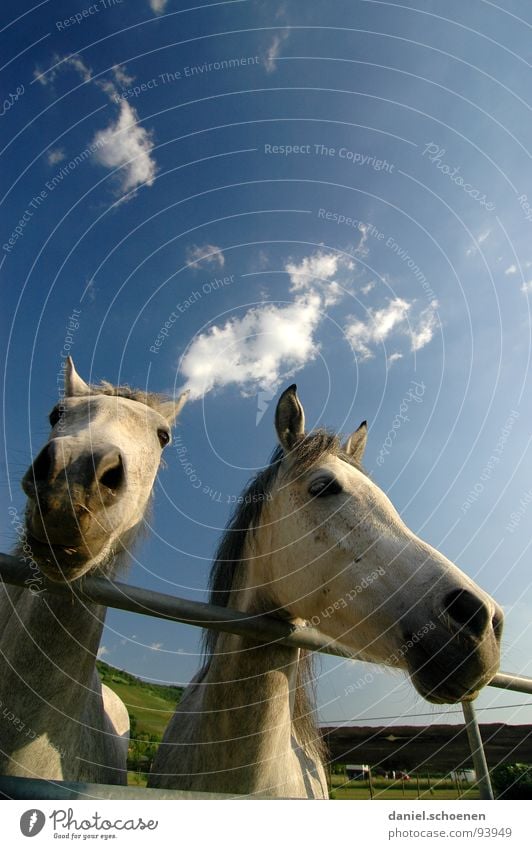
(14,787)
(506,681)
(477,751)
(259,628)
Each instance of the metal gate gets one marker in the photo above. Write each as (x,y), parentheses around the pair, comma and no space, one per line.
(260,628)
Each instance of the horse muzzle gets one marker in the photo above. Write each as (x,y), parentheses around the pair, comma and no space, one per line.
(459,653)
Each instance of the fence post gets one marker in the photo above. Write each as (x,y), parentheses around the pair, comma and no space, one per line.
(477,751)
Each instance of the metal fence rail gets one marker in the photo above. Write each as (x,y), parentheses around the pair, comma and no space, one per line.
(260,628)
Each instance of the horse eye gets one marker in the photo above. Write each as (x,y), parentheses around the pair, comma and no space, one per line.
(54,416)
(164,437)
(325,487)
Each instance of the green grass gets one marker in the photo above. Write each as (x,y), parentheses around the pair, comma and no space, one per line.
(152,705)
(137,779)
(387,789)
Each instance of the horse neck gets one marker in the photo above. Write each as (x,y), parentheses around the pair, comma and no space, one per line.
(50,638)
(49,643)
(254,698)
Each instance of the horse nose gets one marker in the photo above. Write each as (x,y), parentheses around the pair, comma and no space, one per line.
(468,611)
(109,471)
(58,466)
(43,469)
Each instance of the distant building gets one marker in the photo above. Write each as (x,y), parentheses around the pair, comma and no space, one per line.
(357,772)
(467,776)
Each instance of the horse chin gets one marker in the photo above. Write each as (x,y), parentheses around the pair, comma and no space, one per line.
(443,694)
(441,685)
(62,564)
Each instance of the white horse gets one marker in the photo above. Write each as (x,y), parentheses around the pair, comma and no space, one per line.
(311,530)
(87,493)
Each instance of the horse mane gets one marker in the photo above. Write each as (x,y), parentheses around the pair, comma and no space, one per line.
(228,570)
(157,401)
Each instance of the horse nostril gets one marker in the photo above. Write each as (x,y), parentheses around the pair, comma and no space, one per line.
(468,611)
(41,469)
(497,623)
(113,476)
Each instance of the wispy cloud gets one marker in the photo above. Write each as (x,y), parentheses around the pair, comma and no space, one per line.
(201,255)
(378,325)
(266,345)
(102,651)
(481,238)
(56,155)
(512,269)
(62,63)
(271,342)
(422,330)
(393,358)
(156,646)
(157,6)
(126,145)
(122,75)
(395,317)
(274,49)
(315,273)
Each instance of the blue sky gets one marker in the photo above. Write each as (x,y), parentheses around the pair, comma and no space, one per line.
(240,194)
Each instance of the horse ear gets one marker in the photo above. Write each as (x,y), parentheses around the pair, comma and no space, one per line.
(74,385)
(171,409)
(289,418)
(355,445)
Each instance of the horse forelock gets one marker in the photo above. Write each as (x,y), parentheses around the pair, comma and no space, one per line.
(155,400)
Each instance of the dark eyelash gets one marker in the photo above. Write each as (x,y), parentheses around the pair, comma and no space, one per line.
(323,488)
(164,437)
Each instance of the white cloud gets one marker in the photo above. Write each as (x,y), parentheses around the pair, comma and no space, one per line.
(512,269)
(77,64)
(102,651)
(198,255)
(314,273)
(365,290)
(377,327)
(361,247)
(270,342)
(526,288)
(422,331)
(158,6)
(54,156)
(481,238)
(60,63)
(44,78)
(393,358)
(266,345)
(125,144)
(156,646)
(272,53)
(122,76)
(395,317)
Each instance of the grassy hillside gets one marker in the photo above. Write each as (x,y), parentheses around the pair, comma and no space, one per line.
(150,706)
